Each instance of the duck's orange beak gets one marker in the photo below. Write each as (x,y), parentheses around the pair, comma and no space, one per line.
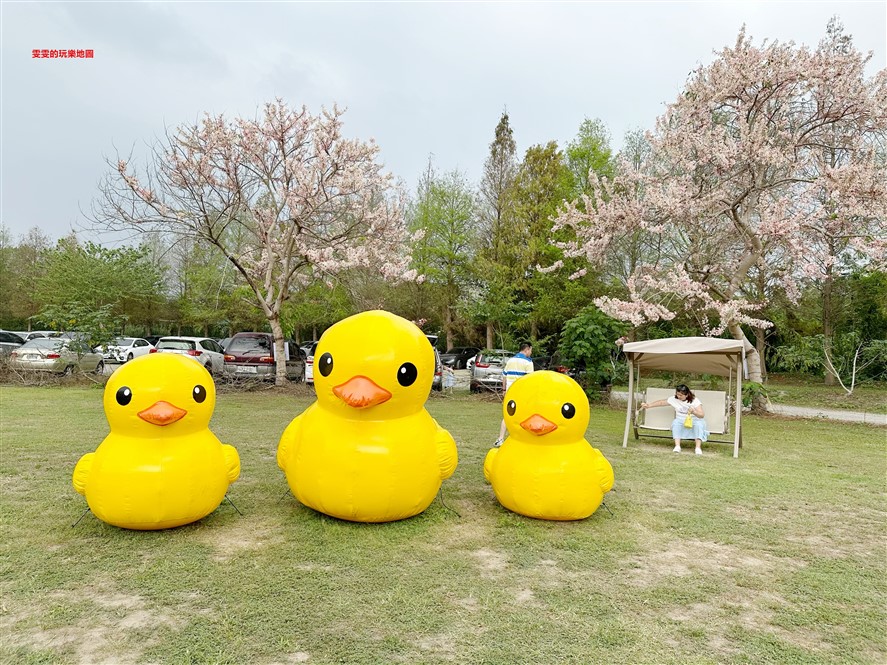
(162,413)
(360,392)
(538,425)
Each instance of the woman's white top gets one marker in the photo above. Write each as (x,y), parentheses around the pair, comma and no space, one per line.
(682,408)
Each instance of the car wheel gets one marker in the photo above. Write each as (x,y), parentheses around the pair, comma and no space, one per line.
(128,357)
(69,370)
(100,368)
(209,368)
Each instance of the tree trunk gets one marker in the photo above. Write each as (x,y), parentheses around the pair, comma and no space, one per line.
(448,327)
(760,343)
(753,360)
(490,334)
(828,327)
(534,330)
(279,351)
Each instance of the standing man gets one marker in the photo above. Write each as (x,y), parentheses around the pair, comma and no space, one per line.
(516,367)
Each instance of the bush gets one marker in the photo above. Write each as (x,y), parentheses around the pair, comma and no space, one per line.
(589,341)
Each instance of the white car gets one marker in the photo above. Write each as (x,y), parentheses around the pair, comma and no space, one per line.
(204,350)
(125,349)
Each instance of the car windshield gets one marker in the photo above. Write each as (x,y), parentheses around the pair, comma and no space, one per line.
(45,343)
(176,344)
(457,350)
(124,341)
(245,345)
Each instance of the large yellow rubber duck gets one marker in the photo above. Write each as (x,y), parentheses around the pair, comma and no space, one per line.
(545,468)
(160,466)
(367,450)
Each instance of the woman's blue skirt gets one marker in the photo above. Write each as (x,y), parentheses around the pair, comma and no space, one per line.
(698,431)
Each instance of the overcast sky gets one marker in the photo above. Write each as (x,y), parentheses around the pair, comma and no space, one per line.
(420,78)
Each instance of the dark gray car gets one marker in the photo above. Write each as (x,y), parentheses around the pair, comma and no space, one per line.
(9,341)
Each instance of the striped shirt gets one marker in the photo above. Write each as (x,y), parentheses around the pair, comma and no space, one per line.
(516,367)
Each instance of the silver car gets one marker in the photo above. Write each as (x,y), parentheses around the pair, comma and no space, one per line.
(204,350)
(486,373)
(57,355)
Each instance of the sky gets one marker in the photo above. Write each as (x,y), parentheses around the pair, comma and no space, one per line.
(422,79)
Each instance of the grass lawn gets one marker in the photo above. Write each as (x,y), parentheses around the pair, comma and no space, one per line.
(776,557)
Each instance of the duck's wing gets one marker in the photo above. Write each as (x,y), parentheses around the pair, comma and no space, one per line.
(604,471)
(447,454)
(488,463)
(288,441)
(232,462)
(81,473)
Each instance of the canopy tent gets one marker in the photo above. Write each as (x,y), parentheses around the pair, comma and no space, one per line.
(697,355)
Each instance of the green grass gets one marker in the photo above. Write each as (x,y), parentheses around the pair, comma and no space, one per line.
(775,557)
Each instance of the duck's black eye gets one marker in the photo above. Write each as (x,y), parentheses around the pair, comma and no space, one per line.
(124,396)
(406,374)
(568,410)
(325,364)
(511,407)
(199,393)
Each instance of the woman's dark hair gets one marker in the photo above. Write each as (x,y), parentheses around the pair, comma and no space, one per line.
(684,390)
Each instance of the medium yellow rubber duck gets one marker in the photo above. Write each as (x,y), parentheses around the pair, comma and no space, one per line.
(367,450)
(160,466)
(545,468)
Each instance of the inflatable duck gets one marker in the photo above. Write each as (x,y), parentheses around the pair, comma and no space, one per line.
(367,450)
(546,469)
(160,466)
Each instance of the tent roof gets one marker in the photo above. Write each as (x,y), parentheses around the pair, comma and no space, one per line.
(699,355)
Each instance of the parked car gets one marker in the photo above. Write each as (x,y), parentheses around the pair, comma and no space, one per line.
(458,357)
(125,349)
(469,364)
(306,346)
(309,362)
(541,362)
(251,355)
(204,350)
(224,342)
(487,371)
(152,339)
(32,334)
(437,382)
(9,341)
(56,354)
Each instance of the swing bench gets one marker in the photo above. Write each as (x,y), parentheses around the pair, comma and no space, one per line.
(698,355)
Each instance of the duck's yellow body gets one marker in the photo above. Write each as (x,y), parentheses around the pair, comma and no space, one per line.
(546,469)
(367,450)
(160,466)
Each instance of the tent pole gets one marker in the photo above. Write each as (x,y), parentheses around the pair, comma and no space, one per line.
(628,411)
(738,407)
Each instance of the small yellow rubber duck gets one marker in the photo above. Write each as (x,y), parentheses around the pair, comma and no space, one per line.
(367,450)
(160,466)
(545,468)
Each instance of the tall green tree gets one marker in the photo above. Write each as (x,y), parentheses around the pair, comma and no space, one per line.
(496,265)
(123,279)
(445,212)
(24,264)
(544,181)
(589,152)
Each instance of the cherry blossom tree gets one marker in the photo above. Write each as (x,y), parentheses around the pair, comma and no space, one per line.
(771,158)
(285,197)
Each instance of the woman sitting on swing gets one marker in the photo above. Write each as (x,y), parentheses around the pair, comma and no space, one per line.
(689,420)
